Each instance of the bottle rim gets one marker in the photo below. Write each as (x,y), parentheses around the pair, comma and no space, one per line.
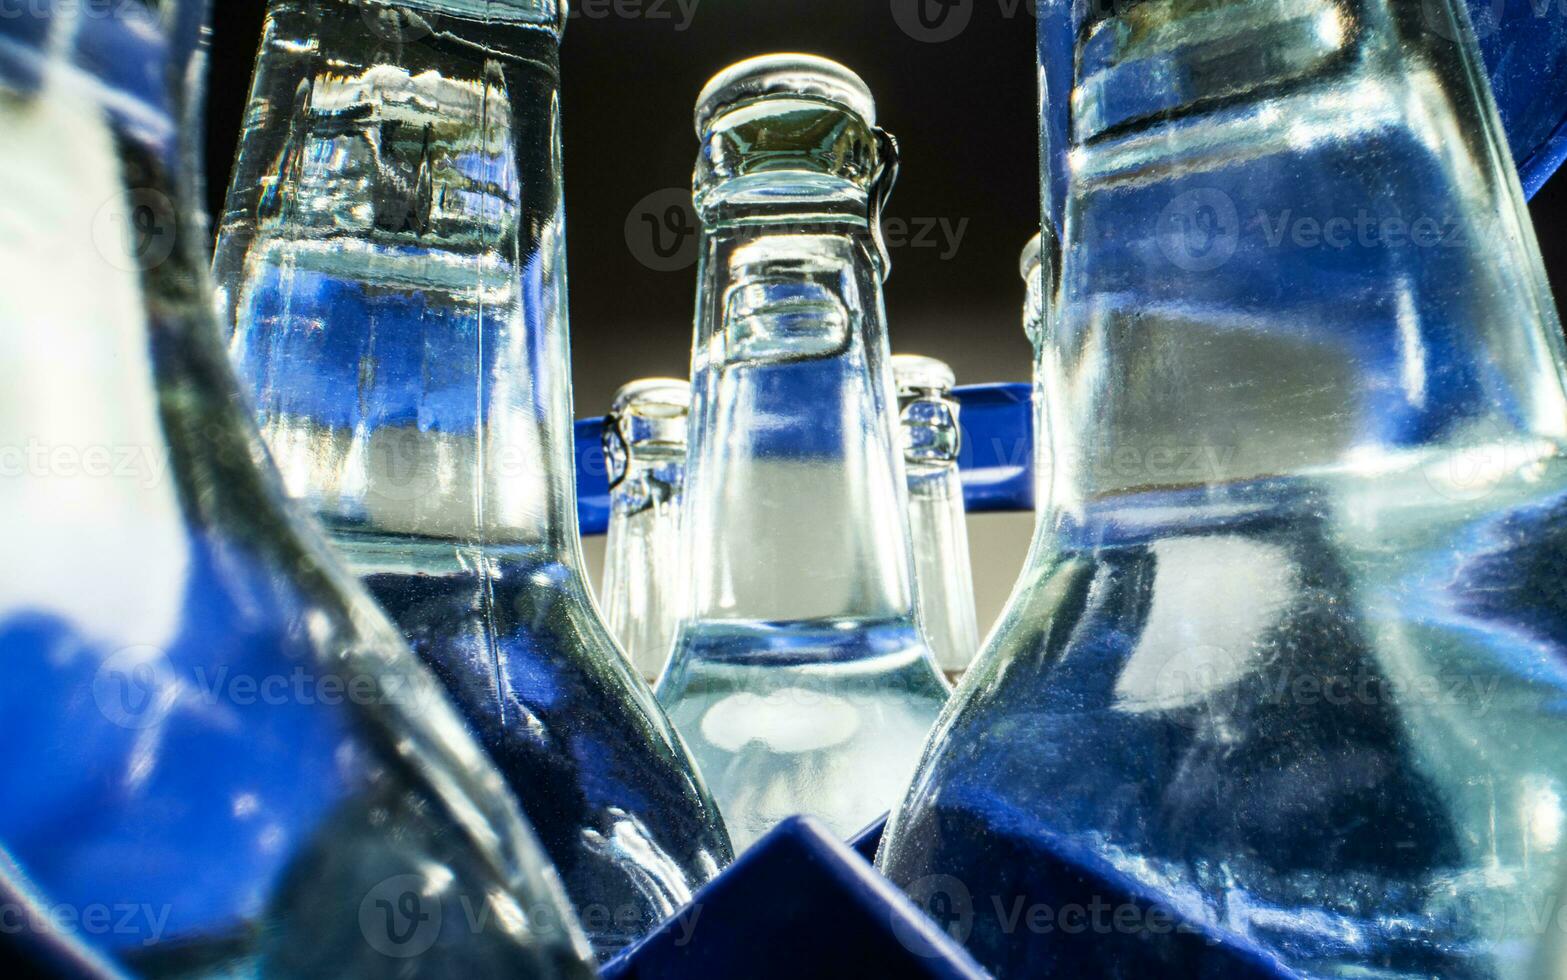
(914,373)
(653,397)
(789,74)
(1031,256)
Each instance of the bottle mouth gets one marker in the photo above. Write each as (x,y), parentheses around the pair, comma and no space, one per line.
(784,135)
(916,374)
(648,422)
(655,398)
(790,74)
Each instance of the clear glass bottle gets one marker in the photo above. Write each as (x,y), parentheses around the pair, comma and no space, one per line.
(394,255)
(943,580)
(1290,648)
(221,758)
(645,450)
(799,675)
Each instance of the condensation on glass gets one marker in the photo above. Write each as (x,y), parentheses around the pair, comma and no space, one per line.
(644,580)
(799,676)
(1288,648)
(932,439)
(222,760)
(392,267)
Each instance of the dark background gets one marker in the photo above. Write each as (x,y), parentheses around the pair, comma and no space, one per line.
(962,107)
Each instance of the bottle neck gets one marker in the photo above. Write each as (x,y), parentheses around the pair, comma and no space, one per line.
(1262,289)
(794,504)
(931,441)
(642,579)
(406,344)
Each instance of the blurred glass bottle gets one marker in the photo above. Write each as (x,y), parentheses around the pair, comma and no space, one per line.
(213,736)
(799,674)
(645,449)
(1290,648)
(943,580)
(393,259)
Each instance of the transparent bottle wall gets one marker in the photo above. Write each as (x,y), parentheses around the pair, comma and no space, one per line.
(932,441)
(644,442)
(1286,649)
(394,254)
(212,734)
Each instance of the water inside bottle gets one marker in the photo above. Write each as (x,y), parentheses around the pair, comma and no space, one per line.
(400,322)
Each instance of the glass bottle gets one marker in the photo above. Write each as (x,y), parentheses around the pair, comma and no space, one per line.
(395,275)
(222,759)
(943,580)
(799,676)
(1290,648)
(645,448)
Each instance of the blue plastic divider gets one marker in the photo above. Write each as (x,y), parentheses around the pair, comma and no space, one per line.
(995,458)
(798,903)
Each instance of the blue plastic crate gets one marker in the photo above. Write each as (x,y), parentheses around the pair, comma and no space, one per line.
(799,903)
(996,457)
